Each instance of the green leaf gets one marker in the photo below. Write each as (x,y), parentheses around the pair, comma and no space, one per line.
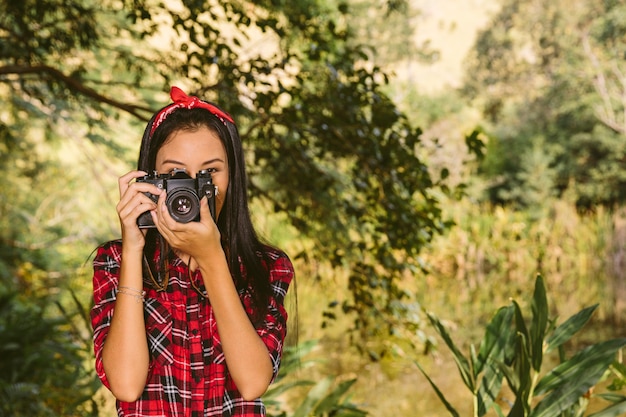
(598,355)
(489,388)
(277,389)
(314,396)
(571,379)
(570,327)
(539,308)
(332,400)
(497,335)
(615,410)
(498,410)
(522,369)
(439,393)
(510,375)
(461,361)
(611,397)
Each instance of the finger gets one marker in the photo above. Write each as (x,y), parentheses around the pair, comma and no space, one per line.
(130,213)
(165,222)
(130,201)
(139,192)
(205,211)
(125,180)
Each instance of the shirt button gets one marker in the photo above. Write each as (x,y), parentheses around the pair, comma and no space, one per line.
(194,332)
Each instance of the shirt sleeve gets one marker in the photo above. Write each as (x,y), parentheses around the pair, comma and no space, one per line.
(106,267)
(274,328)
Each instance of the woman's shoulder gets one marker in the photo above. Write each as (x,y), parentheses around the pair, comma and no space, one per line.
(273,252)
(278,263)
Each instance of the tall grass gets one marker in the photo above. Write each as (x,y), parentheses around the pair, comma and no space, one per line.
(494,253)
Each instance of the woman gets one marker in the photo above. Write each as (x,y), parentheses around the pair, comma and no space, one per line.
(188,317)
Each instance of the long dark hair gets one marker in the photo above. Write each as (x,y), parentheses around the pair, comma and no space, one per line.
(246,254)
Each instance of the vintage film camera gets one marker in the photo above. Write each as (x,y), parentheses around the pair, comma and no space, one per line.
(183,195)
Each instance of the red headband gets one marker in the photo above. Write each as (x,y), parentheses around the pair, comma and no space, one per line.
(183,101)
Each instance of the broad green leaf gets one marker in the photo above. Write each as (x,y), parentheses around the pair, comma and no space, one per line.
(570,380)
(314,396)
(498,410)
(570,327)
(539,308)
(474,361)
(276,389)
(489,388)
(332,400)
(520,323)
(612,397)
(510,375)
(522,367)
(438,392)
(461,361)
(578,367)
(349,412)
(497,334)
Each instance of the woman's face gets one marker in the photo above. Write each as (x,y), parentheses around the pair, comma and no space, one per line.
(195,150)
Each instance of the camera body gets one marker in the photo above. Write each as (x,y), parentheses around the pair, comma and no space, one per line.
(183,195)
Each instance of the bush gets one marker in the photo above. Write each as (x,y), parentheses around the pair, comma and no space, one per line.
(514,350)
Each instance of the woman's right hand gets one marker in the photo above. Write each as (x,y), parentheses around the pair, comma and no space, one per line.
(133,202)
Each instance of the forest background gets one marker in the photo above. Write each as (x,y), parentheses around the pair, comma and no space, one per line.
(411,157)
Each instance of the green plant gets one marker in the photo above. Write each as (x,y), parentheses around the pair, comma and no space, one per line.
(514,349)
(42,360)
(325,398)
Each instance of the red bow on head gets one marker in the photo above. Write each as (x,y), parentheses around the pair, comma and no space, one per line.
(182,100)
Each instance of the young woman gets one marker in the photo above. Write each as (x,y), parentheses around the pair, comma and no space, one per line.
(188,318)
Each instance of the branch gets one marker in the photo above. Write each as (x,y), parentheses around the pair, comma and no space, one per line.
(607,113)
(76,86)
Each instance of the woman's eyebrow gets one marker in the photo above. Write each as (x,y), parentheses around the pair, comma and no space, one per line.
(207,162)
(173,161)
(210,161)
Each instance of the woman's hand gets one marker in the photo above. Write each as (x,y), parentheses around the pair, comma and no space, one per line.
(196,239)
(133,202)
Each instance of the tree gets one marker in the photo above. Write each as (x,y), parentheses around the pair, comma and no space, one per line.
(327,147)
(553,72)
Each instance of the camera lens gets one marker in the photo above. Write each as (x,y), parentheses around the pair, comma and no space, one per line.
(183,205)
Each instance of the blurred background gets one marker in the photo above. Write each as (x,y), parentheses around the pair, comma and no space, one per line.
(411,156)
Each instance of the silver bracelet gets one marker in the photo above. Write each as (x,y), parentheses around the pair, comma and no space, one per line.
(139,295)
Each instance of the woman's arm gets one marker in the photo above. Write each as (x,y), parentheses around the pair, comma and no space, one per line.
(125,354)
(247,357)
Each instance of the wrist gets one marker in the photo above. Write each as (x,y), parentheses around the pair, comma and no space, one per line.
(214,266)
(132,250)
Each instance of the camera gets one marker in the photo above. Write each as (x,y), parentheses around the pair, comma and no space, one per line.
(183,195)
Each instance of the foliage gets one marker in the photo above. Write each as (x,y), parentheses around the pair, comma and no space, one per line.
(389,34)
(515,348)
(325,398)
(492,250)
(42,361)
(550,75)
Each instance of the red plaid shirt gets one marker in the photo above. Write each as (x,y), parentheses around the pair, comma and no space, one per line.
(188,374)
